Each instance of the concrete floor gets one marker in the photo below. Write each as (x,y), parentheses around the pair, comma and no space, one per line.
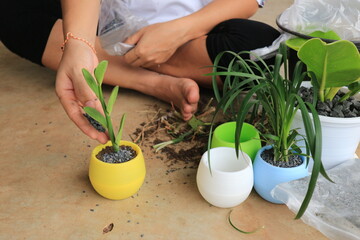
(44,188)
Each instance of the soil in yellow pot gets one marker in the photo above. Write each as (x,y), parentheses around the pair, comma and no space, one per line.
(117,180)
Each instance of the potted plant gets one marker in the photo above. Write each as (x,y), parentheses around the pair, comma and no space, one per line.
(335,79)
(117,168)
(275,98)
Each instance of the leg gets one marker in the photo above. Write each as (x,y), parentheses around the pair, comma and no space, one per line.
(192,61)
(234,35)
(182,92)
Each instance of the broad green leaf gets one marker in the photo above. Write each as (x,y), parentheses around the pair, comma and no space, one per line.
(296,43)
(91,81)
(112,99)
(335,64)
(95,114)
(100,71)
(119,135)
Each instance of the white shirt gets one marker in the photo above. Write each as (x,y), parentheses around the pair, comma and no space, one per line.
(154,11)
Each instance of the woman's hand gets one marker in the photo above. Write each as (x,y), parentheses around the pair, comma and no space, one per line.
(72,89)
(155,44)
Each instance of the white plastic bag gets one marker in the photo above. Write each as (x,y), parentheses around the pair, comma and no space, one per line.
(341,16)
(335,207)
(116,23)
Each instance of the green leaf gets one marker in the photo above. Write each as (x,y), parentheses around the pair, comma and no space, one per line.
(354,88)
(100,71)
(296,43)
(119,135)
(195,123)
(181,138)
(239,230)
(335,65)
(112,99)
(95,114)
(91,81)
(272,137)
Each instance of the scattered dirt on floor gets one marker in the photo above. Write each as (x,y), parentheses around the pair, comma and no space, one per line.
(165,125)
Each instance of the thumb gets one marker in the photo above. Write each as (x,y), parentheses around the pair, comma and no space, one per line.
(94,103)
(86,96)
(134,39)
(90,103)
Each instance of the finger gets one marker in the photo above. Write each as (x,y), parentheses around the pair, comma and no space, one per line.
(84,93)
(131,56)
(134,39)
(73,108)
(152,65)
(138,63)
(75,113)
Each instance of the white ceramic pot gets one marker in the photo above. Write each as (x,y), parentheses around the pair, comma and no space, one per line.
(230,181)
(340,138)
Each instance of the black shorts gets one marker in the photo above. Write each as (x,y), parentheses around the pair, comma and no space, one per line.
(238,35)
(26,25)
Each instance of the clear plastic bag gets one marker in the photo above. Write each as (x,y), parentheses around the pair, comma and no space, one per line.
(116,23)
(335,207)
(341,16)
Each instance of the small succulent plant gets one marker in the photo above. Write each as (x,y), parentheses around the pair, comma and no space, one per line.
(103,122)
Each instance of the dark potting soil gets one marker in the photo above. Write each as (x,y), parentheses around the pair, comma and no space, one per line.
(125,153)
(94,123)
(345,109)
(268,156)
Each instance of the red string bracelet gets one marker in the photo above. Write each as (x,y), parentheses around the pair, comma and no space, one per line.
(70,35)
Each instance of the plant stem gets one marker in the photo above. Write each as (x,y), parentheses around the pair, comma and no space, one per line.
(173,141)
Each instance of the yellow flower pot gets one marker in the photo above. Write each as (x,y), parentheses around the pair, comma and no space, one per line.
(117,180)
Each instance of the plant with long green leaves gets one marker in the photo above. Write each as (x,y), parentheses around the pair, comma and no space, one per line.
(105,120)
(276,98)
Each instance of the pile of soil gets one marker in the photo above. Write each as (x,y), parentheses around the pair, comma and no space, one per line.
(165,125)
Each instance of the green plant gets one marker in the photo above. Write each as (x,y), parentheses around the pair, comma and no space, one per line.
(296,43)
(335,65)
(267,93)
(105,120)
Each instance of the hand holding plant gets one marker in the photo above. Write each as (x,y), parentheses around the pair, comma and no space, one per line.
(105,121)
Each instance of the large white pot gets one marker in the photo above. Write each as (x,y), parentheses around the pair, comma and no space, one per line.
(340,138)
(230,181)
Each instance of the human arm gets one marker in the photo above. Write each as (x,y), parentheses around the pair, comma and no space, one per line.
(80,17)
(169,36)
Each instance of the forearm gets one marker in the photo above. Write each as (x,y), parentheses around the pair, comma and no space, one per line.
(216,12)
(81,18)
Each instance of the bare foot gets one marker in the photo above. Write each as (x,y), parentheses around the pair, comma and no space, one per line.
(188,97)
(182,92)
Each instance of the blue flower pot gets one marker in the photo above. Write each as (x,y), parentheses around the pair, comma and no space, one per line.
(267,176)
